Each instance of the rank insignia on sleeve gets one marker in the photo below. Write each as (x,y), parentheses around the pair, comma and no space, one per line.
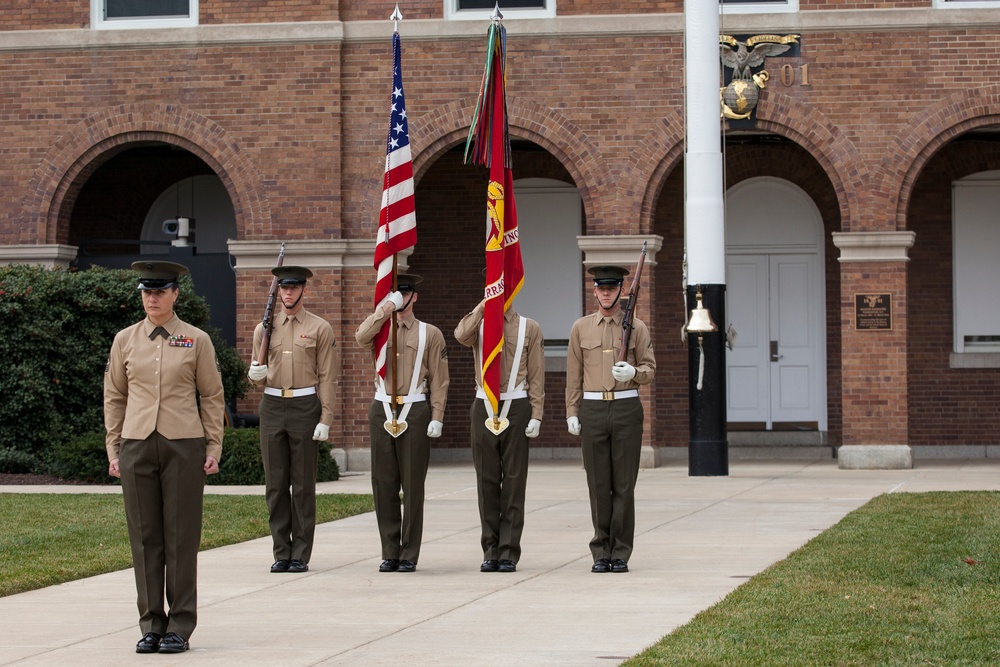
(180,341)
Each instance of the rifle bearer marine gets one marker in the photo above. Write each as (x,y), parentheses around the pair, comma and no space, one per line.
(606,364)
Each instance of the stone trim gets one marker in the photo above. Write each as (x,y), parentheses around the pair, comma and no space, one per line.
(974,360)
(318,254)
(55,255)
(874,246)
(618,250)
(874,457)
(659,25)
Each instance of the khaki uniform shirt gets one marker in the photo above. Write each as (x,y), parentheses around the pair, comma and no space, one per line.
(593,350)
(151,385)
(302,352)
(433,367)
(531,369)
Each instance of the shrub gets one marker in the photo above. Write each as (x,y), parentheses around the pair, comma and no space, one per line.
(58,329)
(16,462)
(82,458)
(242,465)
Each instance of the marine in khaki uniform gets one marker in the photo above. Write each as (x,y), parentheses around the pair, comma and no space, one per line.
(421,384)
(501,460)
(296,409)
(603,406)
(162,443)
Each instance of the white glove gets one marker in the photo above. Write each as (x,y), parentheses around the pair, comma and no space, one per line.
(434,429)
(623,371)
(573,425)
(395,298)
(322,432)
(532,430)
(257,371)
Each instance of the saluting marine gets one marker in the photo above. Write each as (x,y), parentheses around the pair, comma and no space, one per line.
(400,445)
(603,406)
(501,458)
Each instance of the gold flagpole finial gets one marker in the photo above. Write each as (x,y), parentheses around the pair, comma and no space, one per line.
(497,16)
(396,18)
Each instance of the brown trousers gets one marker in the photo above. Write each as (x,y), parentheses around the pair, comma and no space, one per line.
(400,464)
(501,463)
(289,455)
(611,433)
(163,485)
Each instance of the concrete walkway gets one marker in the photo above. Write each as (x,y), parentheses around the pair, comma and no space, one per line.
(696,540)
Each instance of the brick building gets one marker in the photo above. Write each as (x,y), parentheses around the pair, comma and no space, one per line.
(862,234)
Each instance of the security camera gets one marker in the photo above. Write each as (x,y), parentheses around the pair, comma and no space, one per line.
(170,227)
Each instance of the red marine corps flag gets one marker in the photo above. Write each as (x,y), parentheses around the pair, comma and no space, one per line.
(489,145)
(397,223)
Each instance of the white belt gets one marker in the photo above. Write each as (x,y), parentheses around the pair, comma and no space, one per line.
(610,395)
(290,393)
(505,395)
(409,398)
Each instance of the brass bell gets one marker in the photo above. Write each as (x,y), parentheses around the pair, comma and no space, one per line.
(701,319)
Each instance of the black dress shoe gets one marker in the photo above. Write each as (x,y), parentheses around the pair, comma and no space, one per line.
(295,565)
(601,565)
(280,565)
(618,565)
(507,566)
(173,643)
(389,565)
(489,565)
(150,643)
(407,566)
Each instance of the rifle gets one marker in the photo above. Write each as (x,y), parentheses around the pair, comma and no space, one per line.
(265,340)
(629,307)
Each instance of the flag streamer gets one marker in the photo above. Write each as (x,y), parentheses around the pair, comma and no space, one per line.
(397,223)
(488,145)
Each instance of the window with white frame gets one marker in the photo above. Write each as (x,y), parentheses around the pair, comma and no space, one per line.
(130,14)
(759,6)
(975,269)
(511,9)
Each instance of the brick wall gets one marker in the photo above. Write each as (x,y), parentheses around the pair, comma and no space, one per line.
(947,406)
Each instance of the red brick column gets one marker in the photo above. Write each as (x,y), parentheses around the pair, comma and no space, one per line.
(874,352)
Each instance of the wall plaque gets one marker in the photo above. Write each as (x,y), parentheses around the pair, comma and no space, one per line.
(872,312)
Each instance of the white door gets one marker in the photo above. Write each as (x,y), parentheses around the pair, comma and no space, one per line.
(776,371)
(770,370)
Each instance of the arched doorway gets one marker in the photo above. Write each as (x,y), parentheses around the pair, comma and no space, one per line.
(776,371)
(119,214)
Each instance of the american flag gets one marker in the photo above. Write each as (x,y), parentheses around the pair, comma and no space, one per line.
(397,222)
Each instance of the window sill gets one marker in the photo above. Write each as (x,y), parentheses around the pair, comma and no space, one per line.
(974,360)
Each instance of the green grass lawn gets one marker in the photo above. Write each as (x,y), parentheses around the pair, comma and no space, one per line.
(908,579)
(48,539)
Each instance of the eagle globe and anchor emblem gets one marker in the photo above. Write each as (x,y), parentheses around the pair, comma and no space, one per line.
(739,98)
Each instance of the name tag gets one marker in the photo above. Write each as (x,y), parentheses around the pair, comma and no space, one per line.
(180,341)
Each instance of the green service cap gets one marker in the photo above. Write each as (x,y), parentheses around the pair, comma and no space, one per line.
(292,275)
(608,275)
(407,282)
(158,275)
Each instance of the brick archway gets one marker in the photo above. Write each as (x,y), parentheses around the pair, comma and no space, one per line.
(648,167)
(836,154)
(64,170)
(910,150)
(448,125)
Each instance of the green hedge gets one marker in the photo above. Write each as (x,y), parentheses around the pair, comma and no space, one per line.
(84,458)
(241,462)
(58,328)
